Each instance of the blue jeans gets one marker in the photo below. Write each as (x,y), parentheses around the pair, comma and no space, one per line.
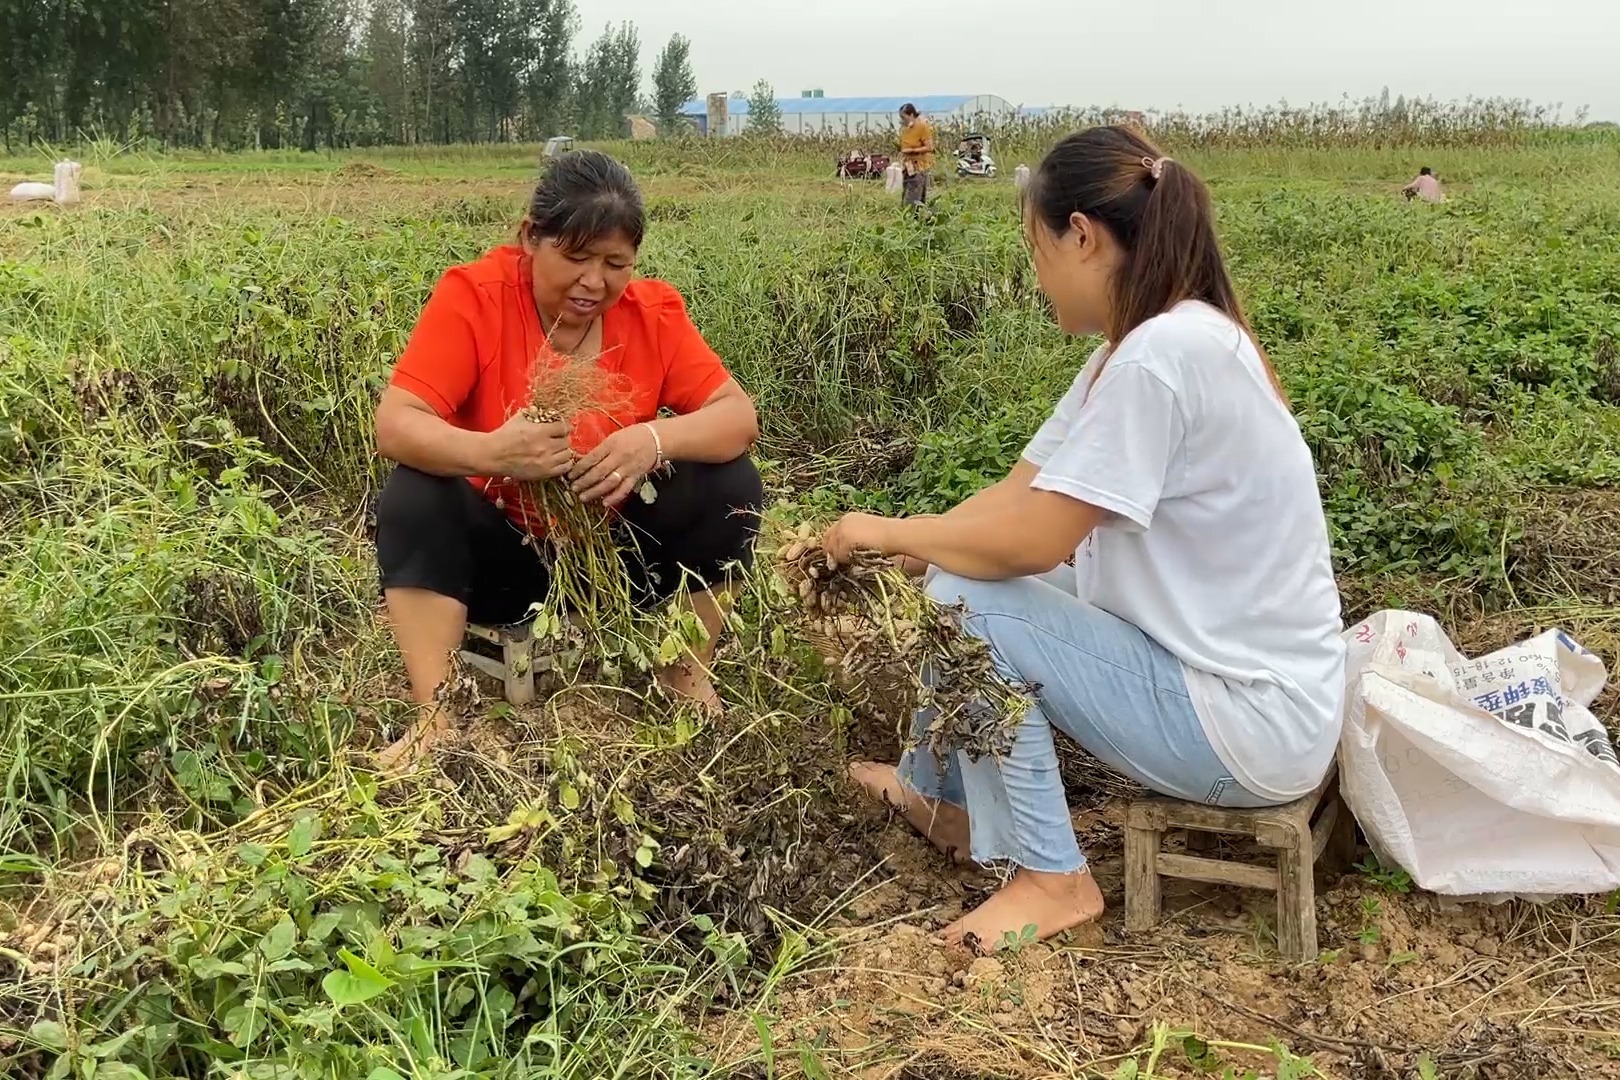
(1104,683)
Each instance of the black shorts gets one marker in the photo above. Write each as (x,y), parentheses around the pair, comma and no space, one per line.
(440,534)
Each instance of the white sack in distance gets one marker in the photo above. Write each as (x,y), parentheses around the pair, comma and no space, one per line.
(63,190)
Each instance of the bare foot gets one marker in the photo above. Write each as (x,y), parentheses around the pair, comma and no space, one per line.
(944,825)
(1051,903)
(690,681)
(408,752)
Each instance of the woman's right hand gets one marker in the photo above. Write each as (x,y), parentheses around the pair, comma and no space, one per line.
(524,449)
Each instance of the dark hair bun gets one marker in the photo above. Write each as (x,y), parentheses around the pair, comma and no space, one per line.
(585,196)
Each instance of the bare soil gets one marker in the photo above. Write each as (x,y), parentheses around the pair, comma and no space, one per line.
(1511,990)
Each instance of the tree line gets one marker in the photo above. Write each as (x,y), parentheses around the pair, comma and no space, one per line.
(316,74)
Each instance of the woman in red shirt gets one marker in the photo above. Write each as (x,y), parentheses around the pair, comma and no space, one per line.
(452,522)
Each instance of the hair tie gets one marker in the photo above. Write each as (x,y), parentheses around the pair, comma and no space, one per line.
(1155,166)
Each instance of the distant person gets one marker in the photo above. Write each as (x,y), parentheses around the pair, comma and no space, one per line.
(1425,187)
(453,523)
(1195,643)
(916,154)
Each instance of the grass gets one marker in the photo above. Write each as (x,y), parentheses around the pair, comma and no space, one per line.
(197,870)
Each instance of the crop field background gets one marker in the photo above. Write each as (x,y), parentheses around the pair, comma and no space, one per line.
(201,875)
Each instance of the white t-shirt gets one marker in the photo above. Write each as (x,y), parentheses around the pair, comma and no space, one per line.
(1215,543)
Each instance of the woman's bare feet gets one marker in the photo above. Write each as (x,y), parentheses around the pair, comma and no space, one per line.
(690,680)
(1051,903)
(404,755)
(944,825)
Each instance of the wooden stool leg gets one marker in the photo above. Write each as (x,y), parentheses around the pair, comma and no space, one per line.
(519,658)
(1296,897)
(1341,848)
(1143,899)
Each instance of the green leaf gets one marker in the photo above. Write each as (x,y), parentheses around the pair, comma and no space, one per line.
(623,809)
(118,1070)
(278,942)
(499,1003)
(244,1023)
(382,950)
(302,837)
(568,795)
(110,1047)
(360,983)
(433,899)
(416,1030)
(480,869)
(319,1019)
(767,1045)
(324,924)
(212,967)
(49,1034)
(15,863)
(811,1066)
(291,964)
(252,854)
(382,1072)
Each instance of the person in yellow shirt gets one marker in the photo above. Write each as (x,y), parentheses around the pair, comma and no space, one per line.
(917,155)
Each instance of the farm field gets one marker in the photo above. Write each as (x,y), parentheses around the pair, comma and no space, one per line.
(202,875)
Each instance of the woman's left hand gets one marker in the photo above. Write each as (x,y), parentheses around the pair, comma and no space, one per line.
(857,532)
(613,470)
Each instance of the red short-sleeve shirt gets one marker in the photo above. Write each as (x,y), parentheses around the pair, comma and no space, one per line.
(472,354)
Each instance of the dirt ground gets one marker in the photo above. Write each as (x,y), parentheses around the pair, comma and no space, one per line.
(356,190)
(1407,985)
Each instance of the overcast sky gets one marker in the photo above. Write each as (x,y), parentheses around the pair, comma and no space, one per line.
(1143,54)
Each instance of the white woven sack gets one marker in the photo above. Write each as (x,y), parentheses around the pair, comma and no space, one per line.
(1480,777)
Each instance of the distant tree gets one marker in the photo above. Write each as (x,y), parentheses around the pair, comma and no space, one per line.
(492,39)
(764,114)
(337,106)
(316,73)
(674,83)
(386,65)
(432,44)
(609,82)
(625,85)
(591,91)
(551,80)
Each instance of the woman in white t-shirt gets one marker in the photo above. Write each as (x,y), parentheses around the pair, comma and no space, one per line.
(1195,644)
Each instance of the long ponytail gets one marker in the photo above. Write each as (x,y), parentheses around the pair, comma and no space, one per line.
(1159,212)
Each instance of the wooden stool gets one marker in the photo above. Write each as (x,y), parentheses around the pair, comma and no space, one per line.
(515,668)
(1300,832)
